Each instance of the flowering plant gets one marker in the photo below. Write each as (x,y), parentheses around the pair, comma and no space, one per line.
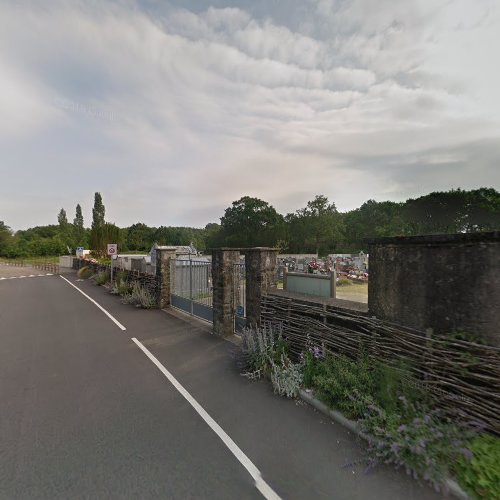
(424,442)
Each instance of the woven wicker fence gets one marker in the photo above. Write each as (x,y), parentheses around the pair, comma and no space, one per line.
(463,376)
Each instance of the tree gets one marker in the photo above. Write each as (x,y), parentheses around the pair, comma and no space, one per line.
(372,220)
(140,237)
(437,212)
(65,237)
(78,228)
(213,236)
(98,212)
(62,219)
(482,210)
(317,227)
(5,238)
(99,233)
(251,222)
(102,235)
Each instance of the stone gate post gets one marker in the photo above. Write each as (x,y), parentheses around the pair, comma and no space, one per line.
(261,277)
(164,259)
(223,284)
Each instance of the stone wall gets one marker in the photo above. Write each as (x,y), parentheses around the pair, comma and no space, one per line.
(442,282)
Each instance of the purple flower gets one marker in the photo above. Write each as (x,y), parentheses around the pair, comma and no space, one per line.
(427,419)
(402,428)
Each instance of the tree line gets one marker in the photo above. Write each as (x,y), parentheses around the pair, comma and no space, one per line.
(316,228)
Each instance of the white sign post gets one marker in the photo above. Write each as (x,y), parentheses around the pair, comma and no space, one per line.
(112,251)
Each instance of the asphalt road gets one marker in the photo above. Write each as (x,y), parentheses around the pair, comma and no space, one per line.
(86,414)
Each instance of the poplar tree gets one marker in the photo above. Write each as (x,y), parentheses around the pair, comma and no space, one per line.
(98,211)
(62,219)
(79,229)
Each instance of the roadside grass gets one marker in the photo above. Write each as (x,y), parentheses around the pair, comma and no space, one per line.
(356,291)
(354,288)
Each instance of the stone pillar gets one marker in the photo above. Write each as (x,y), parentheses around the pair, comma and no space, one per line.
(223,260)
(333,284)
(261,277)
(164,259)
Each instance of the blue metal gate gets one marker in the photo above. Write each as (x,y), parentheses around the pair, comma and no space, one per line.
(192,290)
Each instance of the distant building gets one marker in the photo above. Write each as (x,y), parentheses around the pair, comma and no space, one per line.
(133,262)
(182,252)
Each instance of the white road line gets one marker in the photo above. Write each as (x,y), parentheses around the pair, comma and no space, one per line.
(261,485)
(111,317)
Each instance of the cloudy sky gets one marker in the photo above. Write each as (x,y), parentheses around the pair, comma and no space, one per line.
(172,110)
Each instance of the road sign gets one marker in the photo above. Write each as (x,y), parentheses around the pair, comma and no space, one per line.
(112,248)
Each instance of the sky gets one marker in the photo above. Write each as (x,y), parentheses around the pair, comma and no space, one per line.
(173,110)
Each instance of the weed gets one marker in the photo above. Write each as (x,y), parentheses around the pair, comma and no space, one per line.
(478,469)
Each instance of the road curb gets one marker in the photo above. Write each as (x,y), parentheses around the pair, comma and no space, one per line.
(452,486)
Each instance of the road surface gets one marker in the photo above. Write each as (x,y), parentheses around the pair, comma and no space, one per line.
(86,412)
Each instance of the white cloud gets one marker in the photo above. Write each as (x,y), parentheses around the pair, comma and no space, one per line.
(212,105)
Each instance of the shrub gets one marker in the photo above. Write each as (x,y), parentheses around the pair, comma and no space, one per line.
(120,276)
(310,364)
(85,272)
(339,378)
(480,475)
(140,297)
(101,278)
(260,348)
(121,287)
(424,442)
(393,380)
(286,377)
